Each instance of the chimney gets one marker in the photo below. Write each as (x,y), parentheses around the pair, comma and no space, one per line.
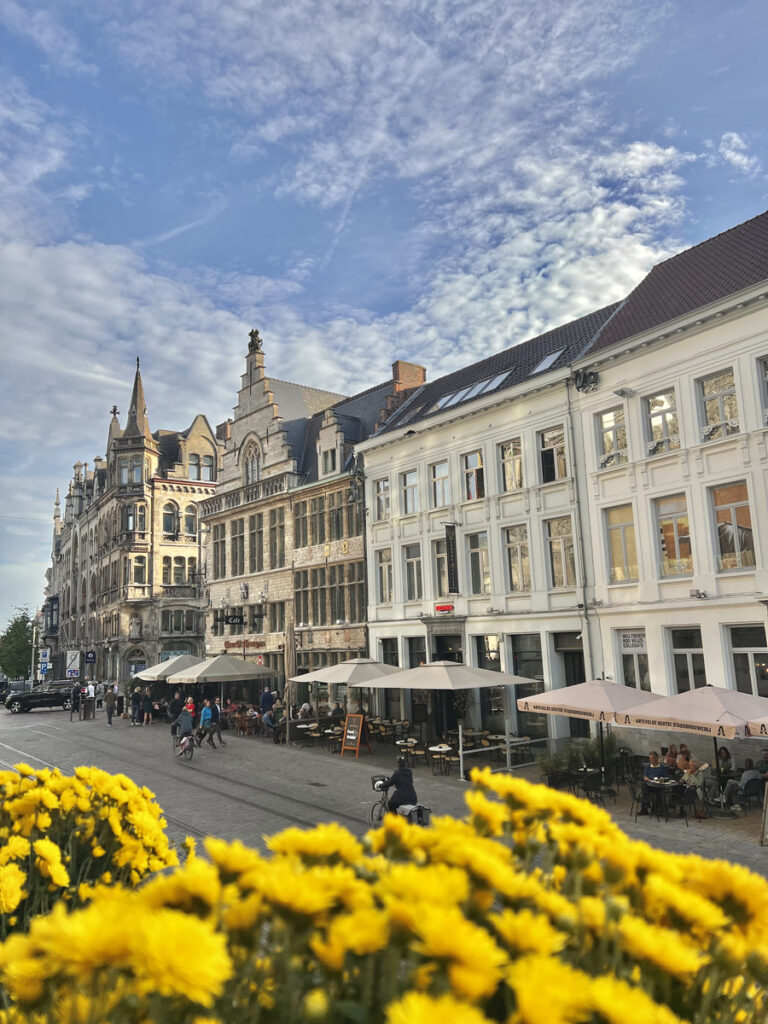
(407,376)
(224,431)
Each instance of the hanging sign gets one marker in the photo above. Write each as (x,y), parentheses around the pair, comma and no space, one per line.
(451,559)
(355,733)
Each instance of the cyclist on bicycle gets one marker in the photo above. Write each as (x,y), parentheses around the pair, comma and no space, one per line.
(402,780)
(184,722)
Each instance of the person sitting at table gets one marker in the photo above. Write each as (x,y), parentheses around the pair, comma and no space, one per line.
(762,764)
(277,702)
(684,758)
(724,759)
(268,721)
(305,711)
(652,771)
(337,711)
(733,789)
(694,776)
(670,759)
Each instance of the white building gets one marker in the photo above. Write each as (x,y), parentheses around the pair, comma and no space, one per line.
(604,481)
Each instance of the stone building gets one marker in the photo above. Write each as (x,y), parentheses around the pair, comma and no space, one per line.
(284,533)
(124,588)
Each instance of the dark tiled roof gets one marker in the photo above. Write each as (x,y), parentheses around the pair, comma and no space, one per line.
(721,266)
(519,363)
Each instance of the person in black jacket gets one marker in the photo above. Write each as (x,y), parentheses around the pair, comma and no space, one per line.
(174,710)
(402,780)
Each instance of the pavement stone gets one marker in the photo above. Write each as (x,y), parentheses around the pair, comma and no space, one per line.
(252,787)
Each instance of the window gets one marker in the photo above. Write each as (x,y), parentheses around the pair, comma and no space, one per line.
(735,543)
(190,520)
(170,520)
(552,454)
(277,537)
(139,569)
(527,661)
(440,567)
(237,629)
(417,651)
(354,518)
(130,470)
(613,437)
(381,498)
(141,518)
(518,560)
(474,480)
(719,407)
(440,484)
(337,593)
(237,546)
(276,619)
(674,536)
(319,604)
(177,621)
(764,388)
(409,492)
(511,464)
(688,659)
(384,575)
(336,516)
(479,563)
(622,549)
(194,467)
(389,655)
(208,470)
(750,659)
(562,566)
(251,465)
(218,623)
(256,618)
(256,542)
(661,422)
(634,659)
(301,596)
(413,584)
(301,524)
(191,570)
(317,520)
(179,570)
(219,552)
(356,610)
(329,461)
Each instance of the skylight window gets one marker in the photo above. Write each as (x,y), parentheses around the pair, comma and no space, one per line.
(547,361)
(481,387)
(457,397)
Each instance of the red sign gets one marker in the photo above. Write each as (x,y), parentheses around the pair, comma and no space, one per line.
(443,607)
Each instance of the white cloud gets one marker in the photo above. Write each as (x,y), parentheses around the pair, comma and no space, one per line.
(47,33)
(734,150)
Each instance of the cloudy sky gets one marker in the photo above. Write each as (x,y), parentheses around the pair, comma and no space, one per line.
(432,181)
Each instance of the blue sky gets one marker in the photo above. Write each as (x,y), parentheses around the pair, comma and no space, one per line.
(362,182)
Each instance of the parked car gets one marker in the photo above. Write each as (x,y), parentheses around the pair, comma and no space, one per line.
(52,695)
(14,686)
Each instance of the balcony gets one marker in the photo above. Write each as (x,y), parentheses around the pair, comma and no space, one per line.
(250,493)
(136,592)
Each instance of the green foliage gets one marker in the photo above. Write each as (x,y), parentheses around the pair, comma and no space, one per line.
(16,645)
(576,753)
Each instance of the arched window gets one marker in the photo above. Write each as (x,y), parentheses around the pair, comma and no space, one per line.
(170,519)
(130,518)
(166,571)
(190,520)
(140,569)
(194,467)
(191,569)
(208,468)
(141,518)
(251,466)
(179,567)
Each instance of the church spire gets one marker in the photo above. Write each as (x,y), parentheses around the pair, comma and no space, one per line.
(137,424)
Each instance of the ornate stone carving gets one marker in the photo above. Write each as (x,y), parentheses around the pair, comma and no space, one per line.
(254,345)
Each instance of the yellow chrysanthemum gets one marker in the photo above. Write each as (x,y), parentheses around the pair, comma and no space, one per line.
(528,932)
(548,991)
(474,961)
(315,1004)
(326,842)
(48,862)
(417,1008)
(12,880)
(668,950)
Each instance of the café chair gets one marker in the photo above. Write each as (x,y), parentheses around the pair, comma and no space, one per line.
(753,791)
(681,799)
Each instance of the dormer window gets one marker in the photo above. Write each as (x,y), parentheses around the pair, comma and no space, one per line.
(329,461)
(251,465)
(194,467)
(208,470)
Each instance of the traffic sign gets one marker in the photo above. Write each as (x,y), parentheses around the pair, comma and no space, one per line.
(73,664)
(45,654)
(90,657)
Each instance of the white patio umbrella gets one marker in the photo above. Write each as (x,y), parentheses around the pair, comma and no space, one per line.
(353,672)
(449,675)
(708,710)
(221,669)
(599,700)
(159,673)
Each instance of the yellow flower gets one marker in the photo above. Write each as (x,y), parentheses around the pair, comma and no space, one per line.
(325,842)
(48,862)
(618,1002)
(15,848)
(361,932)
(473,959)
(548,991)
(666,949)
(416,1008)
(528,932)
(12,880)
(315,1004)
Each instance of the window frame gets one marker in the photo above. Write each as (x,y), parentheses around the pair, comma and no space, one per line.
(749,652)
(689,653)
(384,578)
(409,492)
(622,529)
(558,452)
(725,427)
(667,442)
(736,528)
(381,499)
(511,465)
(478,564)
(659,517)
(440,567)
(560,541)
(610,452)
(522,559)
(440,484)
(473,476)
(413,573)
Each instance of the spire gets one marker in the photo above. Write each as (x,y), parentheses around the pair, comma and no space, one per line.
(57,507)
(137,424)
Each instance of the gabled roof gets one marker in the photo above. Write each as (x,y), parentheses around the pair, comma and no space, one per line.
(549,351)
(721,266)
(296,400)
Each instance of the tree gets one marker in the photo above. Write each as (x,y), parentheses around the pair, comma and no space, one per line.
(16,645)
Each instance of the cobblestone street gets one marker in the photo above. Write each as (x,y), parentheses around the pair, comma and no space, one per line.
(251,787)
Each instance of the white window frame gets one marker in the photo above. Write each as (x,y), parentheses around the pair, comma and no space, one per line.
(659,517)
(409,492)
(473,476)
(412,572)
(713,430)
(384,582)
(667,441)
(738,549)
(518,553)
(750,652)
(559,454)
(478,555)
(622,573)
(440,567)
(440,486)
(610,451)
(689,653)
(381,498)
(560,541)
(633,652)
(511,476)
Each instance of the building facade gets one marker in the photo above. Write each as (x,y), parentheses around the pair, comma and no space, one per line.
(588,503)
(284,534)
(124,588)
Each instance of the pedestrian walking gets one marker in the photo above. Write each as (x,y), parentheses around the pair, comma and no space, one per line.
(174,710)
(216,720)
(136,708)
(99,694)
(148,706)
(205,730)
(111,702)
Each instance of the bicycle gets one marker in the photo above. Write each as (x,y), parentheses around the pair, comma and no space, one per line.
(187,744)
(416,814)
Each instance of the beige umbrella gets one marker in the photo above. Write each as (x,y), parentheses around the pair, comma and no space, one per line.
(599,700)
(221,669)
(160,673)
(355,672)
(449,675)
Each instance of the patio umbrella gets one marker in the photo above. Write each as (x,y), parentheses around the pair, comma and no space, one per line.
(448,675)
(160,673)
(599,700)
(221,669)
(708,710)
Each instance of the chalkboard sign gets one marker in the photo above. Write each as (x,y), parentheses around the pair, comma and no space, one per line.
(355,733)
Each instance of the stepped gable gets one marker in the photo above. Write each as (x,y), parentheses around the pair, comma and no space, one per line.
(519,363)
(707,273)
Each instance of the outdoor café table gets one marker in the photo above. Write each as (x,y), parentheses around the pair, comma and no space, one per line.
(406,746)
(660,792)
(441,751)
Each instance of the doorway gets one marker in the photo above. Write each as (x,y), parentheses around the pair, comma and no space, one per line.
(573,662)
(447,647)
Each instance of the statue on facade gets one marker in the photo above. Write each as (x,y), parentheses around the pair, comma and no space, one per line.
(254,345)
(134,627)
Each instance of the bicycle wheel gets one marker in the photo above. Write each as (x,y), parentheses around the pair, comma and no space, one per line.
(189,751)
(377,812)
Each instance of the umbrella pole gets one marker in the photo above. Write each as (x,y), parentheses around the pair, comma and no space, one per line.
(719,778)
(461,753)
(507,725)
(602,752)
